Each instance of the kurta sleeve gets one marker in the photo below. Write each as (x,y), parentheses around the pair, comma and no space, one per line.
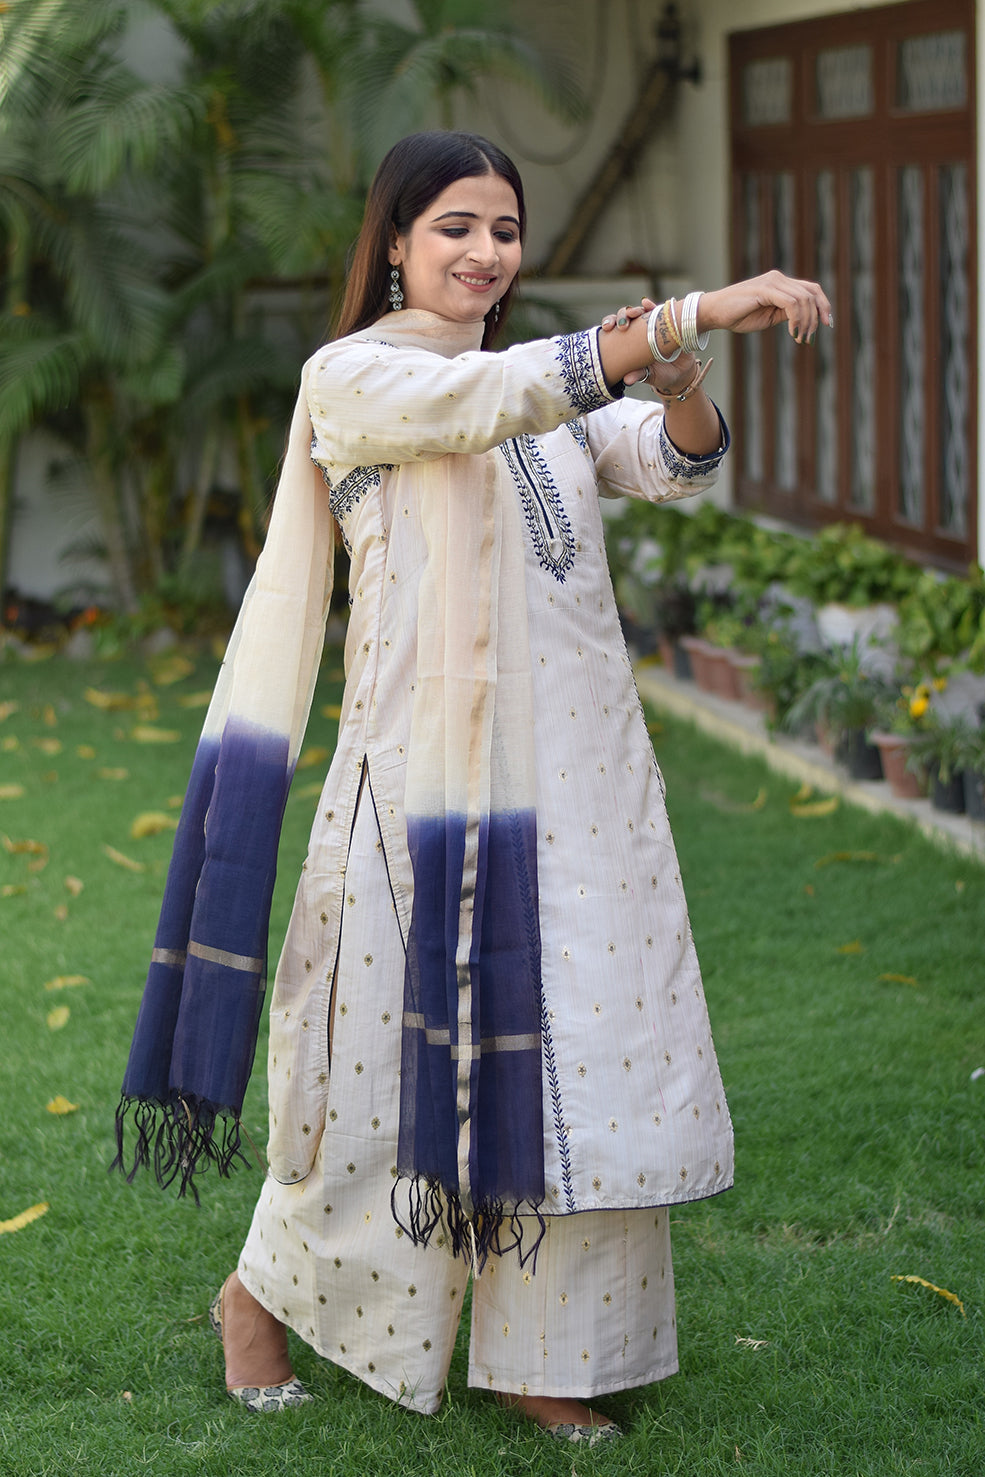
(634,456)
(375,403)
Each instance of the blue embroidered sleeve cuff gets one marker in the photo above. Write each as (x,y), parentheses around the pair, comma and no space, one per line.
(581,370)
(681,465)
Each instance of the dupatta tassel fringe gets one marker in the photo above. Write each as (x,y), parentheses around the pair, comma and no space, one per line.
(492,1229)
(178,1140)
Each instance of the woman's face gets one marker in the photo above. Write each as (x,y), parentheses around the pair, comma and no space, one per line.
(463,251)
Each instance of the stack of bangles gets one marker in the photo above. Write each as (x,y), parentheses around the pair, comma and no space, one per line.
(663,326)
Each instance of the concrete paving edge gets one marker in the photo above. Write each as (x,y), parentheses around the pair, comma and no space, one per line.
(743,728)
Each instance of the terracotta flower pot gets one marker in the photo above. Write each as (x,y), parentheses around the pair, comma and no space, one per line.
(745,666)
(724,678)
(893,749)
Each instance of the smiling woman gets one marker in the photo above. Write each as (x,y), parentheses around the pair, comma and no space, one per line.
(489,1049)
(460,257)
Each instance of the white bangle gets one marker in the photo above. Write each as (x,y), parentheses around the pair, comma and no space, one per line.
(689,324)
(651,337)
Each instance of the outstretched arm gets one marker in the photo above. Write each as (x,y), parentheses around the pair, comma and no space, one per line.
(743,307)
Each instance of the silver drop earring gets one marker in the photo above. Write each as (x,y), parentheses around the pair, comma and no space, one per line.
(396,291)
(496,316)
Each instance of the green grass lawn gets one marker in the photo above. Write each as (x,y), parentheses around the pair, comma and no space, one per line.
(843,962)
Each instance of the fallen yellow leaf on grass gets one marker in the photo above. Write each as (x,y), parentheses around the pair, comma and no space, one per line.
(85,751)
(67,981)
(118,773)
(143,733)
(13,889)
(18,1222)
(60,913)
(27,847)
(815,807)
(194,700)
(733,807)
(151,823)
(855,856)
(307,792)
(10,744)
(74,885)
(313,756)
(898,979)
(123,861)
(58,1017)
(109,701)
(175,802)
(48,745)
(745,1343)
(60,1106)
(171,669)
(941,1291)
(11,792)
(6,709)
(855,947)
(332,710)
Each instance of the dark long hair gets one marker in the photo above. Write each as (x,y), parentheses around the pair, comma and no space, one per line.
(414,173)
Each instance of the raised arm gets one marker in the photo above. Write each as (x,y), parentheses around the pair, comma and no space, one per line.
(375,402)
(744,307)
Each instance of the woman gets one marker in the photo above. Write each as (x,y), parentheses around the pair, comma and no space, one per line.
(489,1045)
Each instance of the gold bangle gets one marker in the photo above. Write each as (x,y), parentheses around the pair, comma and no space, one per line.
(699,373)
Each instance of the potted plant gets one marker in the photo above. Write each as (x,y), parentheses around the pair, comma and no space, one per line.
(854,581)
(941,749)
(903,717)
(725,634)
(844,701)
(972,761)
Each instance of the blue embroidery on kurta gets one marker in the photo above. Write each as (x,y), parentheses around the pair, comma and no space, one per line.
(554,1087)
(578,432)
(683,468)
(348,493)
(579,371)
(550,527)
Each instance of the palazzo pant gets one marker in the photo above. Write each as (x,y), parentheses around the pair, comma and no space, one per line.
(325,1256)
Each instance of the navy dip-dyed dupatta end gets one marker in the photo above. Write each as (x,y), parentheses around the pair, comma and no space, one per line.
(471,1126)
(196,1031)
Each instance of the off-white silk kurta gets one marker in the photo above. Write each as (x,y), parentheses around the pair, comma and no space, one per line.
(634,1117)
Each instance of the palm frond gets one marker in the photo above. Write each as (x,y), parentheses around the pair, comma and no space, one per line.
(41,43)
(40,372)
(110,290)
(304,228)
(122,124)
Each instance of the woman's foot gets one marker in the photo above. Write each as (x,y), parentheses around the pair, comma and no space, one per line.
(258,1370)
(569,1419)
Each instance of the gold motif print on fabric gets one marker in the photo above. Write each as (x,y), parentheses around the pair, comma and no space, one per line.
(548,523)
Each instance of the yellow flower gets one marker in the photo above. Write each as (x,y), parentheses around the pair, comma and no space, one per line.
(919,703)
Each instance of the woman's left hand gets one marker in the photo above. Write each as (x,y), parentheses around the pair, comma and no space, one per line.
(761,302)
(621,321)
